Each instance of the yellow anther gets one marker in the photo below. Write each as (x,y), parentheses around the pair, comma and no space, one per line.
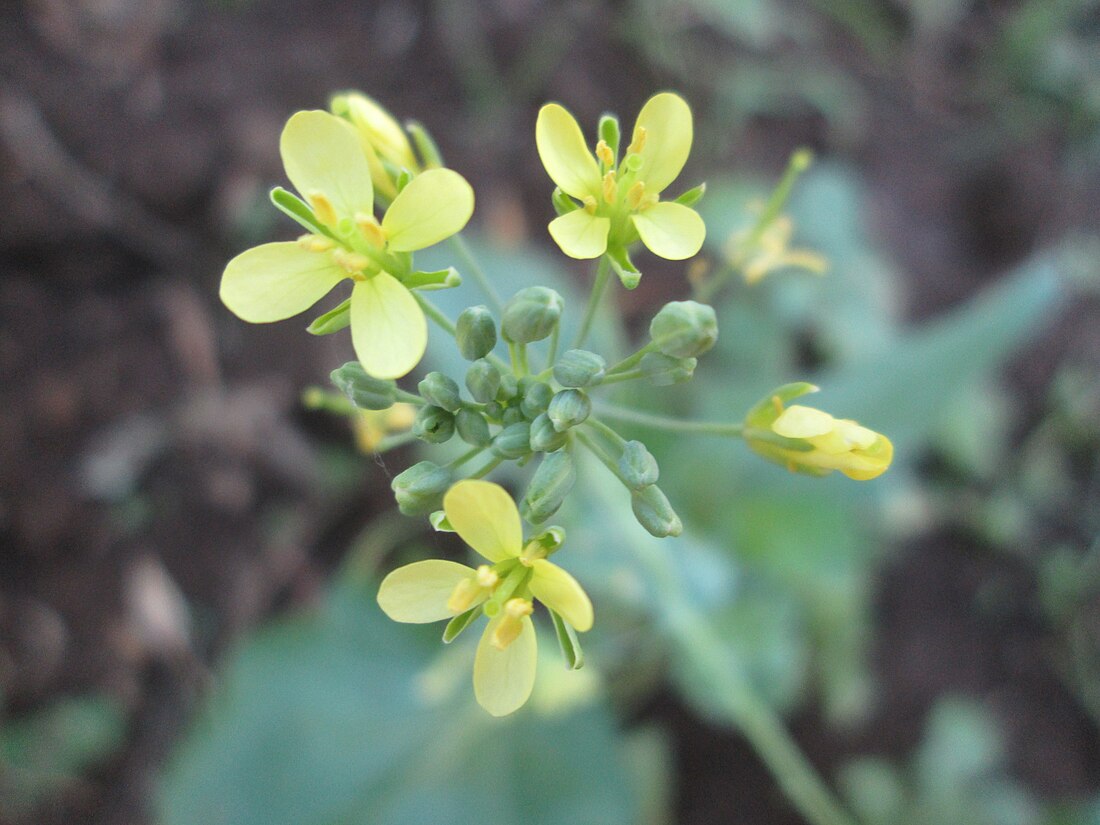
(648,200)
(638,144)
(351,262)
(589,204)
(371,229)
(486,576)
(778,404)
(604,153)
(464,595)
(322,207)
(511,623)
(610,187)
(635,194)
(316,243)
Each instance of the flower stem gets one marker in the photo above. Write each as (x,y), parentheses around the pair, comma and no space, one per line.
(602,455)
(662,422)
(474,268)
(486,468)
(631,360)
(466,456)
(552,354)
(603,271)
(391,442)
(629,375)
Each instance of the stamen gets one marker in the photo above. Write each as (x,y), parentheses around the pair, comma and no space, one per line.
(371,229)
(778,404)
(610,187)
(635,194)
(351,262)
(486,576)
(322,207)
(316,243)
(604,153)
(638,144)
(463,596)
(511,624)
(650,199)
(590,204)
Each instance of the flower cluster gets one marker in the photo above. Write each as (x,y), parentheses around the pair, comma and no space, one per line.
(523,397)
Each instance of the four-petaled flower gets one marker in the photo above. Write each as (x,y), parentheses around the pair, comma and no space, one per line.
(324,159)
(486,518)
(621,203)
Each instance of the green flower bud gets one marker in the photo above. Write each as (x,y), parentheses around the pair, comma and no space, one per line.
(509,387)
(544,438)
(549,486)
(512,415)
(365,391)
(441,391)
(684,329)
(475,332)
(433,424)
(654,513)
(568,408)
(472,428)
(664,370)
(514,441)
(579,368)
(531,315)
(638,466)
(483,381)
(419,490)
(494,411)
(536,399)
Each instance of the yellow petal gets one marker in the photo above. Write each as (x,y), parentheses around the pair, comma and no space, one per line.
(503,679)
(580,235)
(667,122)
(486,518)
(803,422)
(322,154)
(435,205)
(671,230)
(417,593)
(388,328)
(564,153)
(870,463)
(379,129)
(275,281)
(561,593)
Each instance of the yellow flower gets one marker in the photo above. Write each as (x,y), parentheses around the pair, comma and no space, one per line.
(486,518)
(324,160)
(621,204)
(371,426)
(771,252)
(810,441)
(384,142)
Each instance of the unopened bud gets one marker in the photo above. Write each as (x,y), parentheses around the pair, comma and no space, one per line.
(433,424)
(531,314)
(544,438)
(509,387)
(472,428)
(483,380)
(637,466)
(549,486)
(654,513)
(579,368)
(568,408)
(419,490)
(512,415)
(365,391)
(684,329)
(441,391)
(663,370)
(475,332)
(536,399)
(514,441)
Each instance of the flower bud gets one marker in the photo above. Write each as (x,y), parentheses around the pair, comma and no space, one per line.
(654,513)
(568,408)
(549,486)
(579,368)
(512,415)
(509,387)
(475,332)
(483,381)
(531,314)
(514,441)
(663,370)
(365,391)
(637,466)
(433,424)
(494,411)
(544,438)
(419,490)
(684,329)
(472,428)
(441,391)
(536,399)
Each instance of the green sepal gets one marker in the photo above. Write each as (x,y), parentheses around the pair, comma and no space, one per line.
(567,641)
(404,177)
(693,195)
(298,210)
(440,279)
(426,147)
(563,204)
(764,413)
(439,522)
(799,445)
(459,623)
(336,319)
(624,267)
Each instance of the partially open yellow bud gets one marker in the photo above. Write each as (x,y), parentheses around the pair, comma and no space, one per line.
(821,444)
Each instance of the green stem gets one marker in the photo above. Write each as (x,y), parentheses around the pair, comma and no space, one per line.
(631,360)
(552,354)
(409,397)
(518,355)
(662,422)
(604,458)
(603,272)
(607,431)
(629,375)
(466,456)
(474,268)
(391,442)
(448,326)
(486,468)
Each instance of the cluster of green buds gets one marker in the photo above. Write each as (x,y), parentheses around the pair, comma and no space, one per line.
(522,397)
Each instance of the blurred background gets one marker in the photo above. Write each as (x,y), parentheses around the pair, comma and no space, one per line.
(188,632)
